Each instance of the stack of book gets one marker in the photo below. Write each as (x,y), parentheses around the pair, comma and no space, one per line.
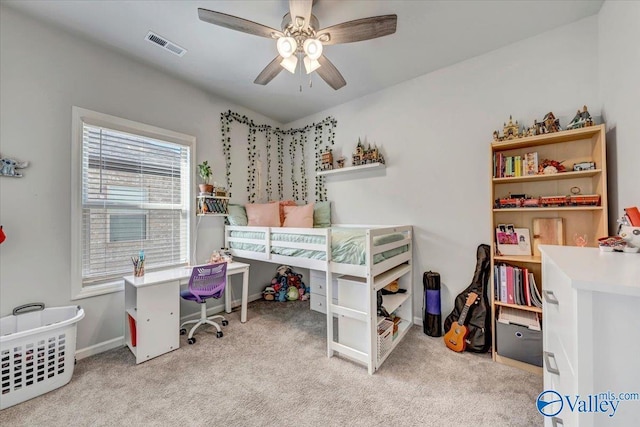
(514,166)
(515,285)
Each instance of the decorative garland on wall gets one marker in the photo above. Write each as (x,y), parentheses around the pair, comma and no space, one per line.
(299,137)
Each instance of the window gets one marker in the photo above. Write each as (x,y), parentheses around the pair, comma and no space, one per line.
(130,193)
(124,225)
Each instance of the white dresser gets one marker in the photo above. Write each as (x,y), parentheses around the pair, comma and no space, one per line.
(591,336)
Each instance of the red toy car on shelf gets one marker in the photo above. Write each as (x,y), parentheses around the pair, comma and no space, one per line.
(584,200)
(546,201)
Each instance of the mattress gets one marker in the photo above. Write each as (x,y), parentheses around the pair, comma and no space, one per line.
(347,245)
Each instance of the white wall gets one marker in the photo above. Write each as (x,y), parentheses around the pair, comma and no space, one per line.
(619,64)
(43,73)
(435,132)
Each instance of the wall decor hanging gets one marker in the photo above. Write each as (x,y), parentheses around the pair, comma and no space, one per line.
(8,167)
(296,142)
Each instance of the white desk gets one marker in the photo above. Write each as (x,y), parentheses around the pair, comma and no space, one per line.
(153,302)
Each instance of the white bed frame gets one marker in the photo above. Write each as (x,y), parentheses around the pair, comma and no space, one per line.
(327,265)
(376,276)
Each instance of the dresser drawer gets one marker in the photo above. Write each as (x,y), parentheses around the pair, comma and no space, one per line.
(318,284)
(559,308)
(319,302)
(558,371)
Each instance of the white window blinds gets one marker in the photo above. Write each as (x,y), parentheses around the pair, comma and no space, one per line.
(135,196)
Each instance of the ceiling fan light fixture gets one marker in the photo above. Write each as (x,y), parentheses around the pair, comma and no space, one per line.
(290,64)
(310,65)
(286,46)
(313,48)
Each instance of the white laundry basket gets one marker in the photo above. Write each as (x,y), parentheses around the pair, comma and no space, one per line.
(37,351)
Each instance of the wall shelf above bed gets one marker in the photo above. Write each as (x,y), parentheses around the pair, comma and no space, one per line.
(370,166)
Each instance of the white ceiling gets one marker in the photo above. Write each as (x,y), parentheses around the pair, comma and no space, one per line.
(430,35)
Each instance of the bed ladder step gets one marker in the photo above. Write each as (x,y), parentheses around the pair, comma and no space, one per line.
(350,352)
(349,312)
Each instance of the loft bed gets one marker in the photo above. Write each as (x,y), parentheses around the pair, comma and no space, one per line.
(362,260)
(356,250)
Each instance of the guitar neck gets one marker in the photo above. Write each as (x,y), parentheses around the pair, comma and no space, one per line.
(463,315)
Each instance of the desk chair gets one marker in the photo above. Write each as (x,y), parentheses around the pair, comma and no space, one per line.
(207,281)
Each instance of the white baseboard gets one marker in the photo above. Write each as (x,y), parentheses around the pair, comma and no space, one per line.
(417,320)
(100,347)
(119,341)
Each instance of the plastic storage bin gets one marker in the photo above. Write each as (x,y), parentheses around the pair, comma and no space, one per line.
(37,351)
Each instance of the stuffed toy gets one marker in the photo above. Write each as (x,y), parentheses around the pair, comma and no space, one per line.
(287,285)
(269,294)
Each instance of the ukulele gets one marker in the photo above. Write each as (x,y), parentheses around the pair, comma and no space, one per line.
(455,338)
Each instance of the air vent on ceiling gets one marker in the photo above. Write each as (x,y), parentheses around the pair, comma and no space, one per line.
(158,40)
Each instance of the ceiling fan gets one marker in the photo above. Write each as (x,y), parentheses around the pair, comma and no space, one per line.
(301,37)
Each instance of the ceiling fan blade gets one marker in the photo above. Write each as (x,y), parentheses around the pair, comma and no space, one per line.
(269,72)
(300,9)
(360,29)
(330,73)
(238,24)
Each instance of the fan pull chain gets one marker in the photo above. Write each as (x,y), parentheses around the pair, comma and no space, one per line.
(300,61)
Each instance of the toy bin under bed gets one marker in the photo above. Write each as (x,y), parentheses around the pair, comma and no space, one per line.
(37,351)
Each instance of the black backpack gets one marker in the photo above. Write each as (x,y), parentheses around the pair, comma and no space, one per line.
(478,319)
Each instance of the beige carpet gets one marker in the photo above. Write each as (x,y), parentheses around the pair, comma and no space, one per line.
(273,371)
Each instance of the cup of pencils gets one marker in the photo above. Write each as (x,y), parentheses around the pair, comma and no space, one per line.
(138,265)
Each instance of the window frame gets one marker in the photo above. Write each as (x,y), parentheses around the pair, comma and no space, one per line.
(79,117)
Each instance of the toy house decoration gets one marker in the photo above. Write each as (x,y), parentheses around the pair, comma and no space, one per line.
(326,160)
(581,119)
(509,131)
(549,124)
(364,156)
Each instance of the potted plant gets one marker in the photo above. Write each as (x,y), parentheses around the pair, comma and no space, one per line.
(204,170)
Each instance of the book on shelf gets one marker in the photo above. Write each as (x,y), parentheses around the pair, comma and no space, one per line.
(510,285)
(515,285)
(530,164)
(536,298)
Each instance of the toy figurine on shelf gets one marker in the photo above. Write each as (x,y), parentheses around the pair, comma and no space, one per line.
(581,119)
(326,160)
(366,156)
(548,125)
(510,131)
(340,163)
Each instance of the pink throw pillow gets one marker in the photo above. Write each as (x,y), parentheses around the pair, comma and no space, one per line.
(284,203)
(298,216)
(263,214)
